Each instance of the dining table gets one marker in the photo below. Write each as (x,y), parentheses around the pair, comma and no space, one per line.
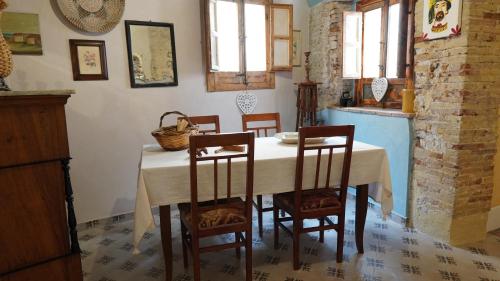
(164,181)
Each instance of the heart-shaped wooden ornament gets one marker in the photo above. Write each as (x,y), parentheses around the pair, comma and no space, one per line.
(379,88)
(246,102)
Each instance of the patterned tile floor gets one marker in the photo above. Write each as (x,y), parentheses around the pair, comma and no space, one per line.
(392,253)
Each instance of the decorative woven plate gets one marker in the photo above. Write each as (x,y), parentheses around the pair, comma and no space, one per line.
(95,16)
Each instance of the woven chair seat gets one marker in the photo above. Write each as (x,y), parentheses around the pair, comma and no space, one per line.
(226,212)
(312,200)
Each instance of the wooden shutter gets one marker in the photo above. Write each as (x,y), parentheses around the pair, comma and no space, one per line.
(214,36)
(281,37)
(352,45)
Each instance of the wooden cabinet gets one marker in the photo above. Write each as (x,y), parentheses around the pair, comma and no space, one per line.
(38,238)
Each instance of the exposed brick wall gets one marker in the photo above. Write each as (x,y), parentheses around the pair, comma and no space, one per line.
(326,50)
(457,96)
(496,189)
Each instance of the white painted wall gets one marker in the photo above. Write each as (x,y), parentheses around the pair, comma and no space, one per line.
(108,122)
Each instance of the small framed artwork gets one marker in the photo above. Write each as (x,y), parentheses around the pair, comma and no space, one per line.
(88,58)
(151,54)
(442,19)
(22,33)
(297,48)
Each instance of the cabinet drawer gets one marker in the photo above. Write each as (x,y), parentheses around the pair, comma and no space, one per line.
(62,269)
(32,129)
(32,215)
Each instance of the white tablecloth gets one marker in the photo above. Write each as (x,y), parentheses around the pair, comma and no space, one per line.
(164,176)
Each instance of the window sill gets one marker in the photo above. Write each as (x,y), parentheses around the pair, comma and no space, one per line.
(376,111)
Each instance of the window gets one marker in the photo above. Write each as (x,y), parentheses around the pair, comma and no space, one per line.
(238,44)
(374,46)
(372,25)
(225,36)
(255,32)
(393,42)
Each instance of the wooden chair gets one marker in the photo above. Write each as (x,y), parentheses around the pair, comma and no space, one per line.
(220,216)
(318,203)
(206,120)
(263,117)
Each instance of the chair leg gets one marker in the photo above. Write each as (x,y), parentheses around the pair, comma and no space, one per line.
(321,232)
(296,244)
(196,258)
(184,247)
(259,215)
(340,239)
(237,239)
(248,254)
(276,226)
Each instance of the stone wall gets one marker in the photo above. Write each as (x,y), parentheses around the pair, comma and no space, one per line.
(458,93)
(161,54)
(496,190)
(326,50)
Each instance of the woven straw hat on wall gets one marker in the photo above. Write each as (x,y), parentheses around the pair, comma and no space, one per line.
(95,16)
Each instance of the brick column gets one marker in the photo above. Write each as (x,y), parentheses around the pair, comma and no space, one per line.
(458,93)
(326,50)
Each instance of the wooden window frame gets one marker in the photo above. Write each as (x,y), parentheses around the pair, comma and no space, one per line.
(393,99)
(242,80)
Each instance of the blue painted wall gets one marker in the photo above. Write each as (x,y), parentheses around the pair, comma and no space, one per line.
(392,133)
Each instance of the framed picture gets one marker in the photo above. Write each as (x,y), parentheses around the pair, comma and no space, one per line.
(442,19)
(88,58)
(22,33)
(151,54)
(297,48)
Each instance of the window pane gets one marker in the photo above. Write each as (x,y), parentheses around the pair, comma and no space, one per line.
(350,57)
(214,37)
(255,29)
(227,29)
(281,22)
(281,50)
(371,52)
(368,92)
(393,42)
(352,45)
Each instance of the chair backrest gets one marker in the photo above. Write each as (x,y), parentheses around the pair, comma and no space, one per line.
(262,117)
(346,131)
(206,120)
(197,142)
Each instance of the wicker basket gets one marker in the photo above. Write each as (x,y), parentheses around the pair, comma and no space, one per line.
(169,138)
(6,64)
